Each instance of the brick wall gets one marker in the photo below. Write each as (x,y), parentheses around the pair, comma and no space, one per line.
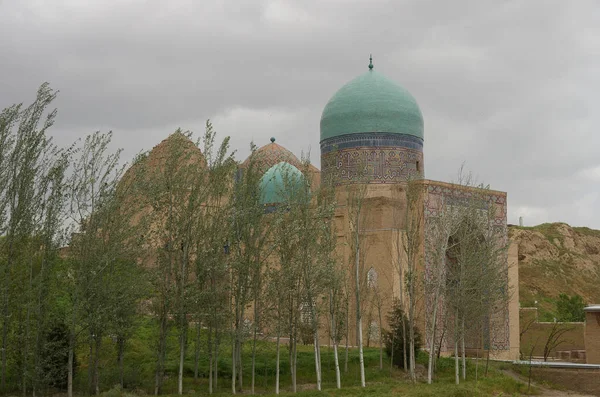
(592,337)
(535,334)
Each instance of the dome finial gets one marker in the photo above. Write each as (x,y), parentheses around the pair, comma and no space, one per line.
(370,61)
(272,139)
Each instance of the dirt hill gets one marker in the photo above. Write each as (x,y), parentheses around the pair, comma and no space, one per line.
(556,258)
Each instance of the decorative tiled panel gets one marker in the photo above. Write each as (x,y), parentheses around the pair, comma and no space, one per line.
(371,139)
(497,327)
(383,165)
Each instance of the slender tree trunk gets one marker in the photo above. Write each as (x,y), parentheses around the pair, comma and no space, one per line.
(295,362)
(160,359)
(432,342)
(98,340)
(209,347)
(233,364)
(70,364)
(392,355)
(347,334)
(4,337)
(477,364)
(253,361)
(464,359)
(411,327)
(487,361)
(182,319)
(404,349)
(5,314)
(358,313)
(91,364)
(239,361)
(380,337)
(338,379)
(277,363)
(334,336)
(456,366)
(217,342)
(317,358)
(197,349)
(120,355)
(181,359)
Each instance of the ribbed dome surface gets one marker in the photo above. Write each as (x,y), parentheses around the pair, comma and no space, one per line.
(280,183)
(371,103)
(270,154)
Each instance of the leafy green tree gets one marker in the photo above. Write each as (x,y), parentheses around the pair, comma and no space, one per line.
(570,309)
(31,181)
(101,239)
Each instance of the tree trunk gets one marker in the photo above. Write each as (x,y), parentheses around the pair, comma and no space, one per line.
(181,359)
(411,327)
(277,363)
(404,349)
(317,359)
(4,342)
(233,364)
(392,355)
(182,319)
(338,380)
(197,349)
(358,313)
(456,366)
(70,365)
(239,363)
(91,364)
(209,348)
(253,360)
(334,336)
(295,363)
(97,362)
(217,342)
(160,359)
(120,354)
(464,359)
(432,343)
(347,334)
(380,336)
(487,361)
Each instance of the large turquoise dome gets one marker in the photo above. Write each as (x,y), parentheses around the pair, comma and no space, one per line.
(280,183)
(371,103)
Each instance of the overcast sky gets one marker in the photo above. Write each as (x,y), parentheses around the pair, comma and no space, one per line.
(509,87)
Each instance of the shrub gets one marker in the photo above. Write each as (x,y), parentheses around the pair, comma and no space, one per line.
(394,338)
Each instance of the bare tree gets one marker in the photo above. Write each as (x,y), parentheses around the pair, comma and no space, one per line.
(438,232)
(556,337)
(356,215)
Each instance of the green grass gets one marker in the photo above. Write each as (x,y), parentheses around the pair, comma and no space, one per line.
(140,359)
(586,231)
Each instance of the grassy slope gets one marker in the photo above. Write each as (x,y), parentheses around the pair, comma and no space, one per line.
(543,278)
(139,364)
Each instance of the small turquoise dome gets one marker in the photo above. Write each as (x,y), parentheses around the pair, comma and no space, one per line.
(371,103)
(279,183)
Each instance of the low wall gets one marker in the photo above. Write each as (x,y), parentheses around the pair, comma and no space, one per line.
(581,380)
(592,337)
(535,334)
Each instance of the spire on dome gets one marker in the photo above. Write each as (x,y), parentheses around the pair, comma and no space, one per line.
(370,61)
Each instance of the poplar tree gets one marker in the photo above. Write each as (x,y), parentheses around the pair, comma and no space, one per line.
(31,174)
(249,235)
(95,246)
(356,213)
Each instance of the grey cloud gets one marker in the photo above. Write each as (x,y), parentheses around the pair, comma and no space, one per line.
(508,87)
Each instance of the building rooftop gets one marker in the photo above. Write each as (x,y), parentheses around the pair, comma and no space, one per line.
(371,103)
